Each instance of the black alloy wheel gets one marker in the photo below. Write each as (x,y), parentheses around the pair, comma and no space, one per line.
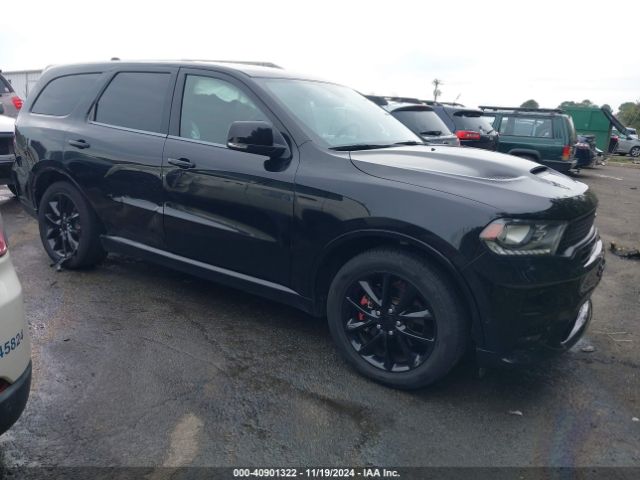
(69,228)
(397,318)
(63,229)
(388,322)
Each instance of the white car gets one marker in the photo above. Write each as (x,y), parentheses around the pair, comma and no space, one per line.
(7,156)
(15,347)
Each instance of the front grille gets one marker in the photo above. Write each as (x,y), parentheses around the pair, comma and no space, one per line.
(576,231)
(6,145)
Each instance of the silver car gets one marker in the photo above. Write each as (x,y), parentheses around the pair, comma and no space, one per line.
(628,145)
(11,101)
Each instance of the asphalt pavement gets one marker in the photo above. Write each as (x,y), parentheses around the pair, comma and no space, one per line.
(137,365)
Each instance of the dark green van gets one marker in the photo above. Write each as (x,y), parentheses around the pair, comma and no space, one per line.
(543,135)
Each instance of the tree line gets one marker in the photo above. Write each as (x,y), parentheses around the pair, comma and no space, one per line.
(628,113)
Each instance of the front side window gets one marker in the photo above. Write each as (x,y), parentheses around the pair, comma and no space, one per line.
(61,95)
(135,100)
(210,106)
(339,116)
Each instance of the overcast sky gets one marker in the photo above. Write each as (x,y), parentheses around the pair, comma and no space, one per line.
(487,52)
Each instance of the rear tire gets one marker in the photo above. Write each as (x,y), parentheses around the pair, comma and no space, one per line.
(401,343)
(69,228)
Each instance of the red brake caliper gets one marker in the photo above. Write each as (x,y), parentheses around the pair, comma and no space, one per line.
(364,301)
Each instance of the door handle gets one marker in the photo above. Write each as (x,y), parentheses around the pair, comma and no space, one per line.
(79,143)
(181,162)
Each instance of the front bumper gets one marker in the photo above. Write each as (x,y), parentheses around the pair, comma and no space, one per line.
(14,399)
(536,351)
(531,307)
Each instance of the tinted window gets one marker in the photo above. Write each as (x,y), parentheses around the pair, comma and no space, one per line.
(5,86)
(61,95)
(135,100)
(423,122)
(210,106)
(475,123)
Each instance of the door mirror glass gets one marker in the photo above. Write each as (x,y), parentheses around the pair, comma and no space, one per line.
(255,137)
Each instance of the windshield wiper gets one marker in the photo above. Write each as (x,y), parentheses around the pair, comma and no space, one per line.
(435,133)
(409,142)
(359,146)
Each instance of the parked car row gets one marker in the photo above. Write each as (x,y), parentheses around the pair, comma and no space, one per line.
(306,192)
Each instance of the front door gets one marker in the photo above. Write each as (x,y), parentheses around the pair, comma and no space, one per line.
(223,207)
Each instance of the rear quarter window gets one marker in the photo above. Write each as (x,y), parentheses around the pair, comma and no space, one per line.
(61,95)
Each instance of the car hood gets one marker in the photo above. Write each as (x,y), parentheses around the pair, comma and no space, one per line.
(509,184)
(7,124)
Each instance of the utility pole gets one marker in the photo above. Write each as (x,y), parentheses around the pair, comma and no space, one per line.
(436,91)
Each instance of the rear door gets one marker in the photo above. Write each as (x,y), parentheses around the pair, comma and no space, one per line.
(115,151)
(224,207)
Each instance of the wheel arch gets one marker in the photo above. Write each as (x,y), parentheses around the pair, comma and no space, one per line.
(47,174)
(347,246)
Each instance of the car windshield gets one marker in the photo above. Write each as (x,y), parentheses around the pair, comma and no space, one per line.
(423,122)
(339,116)
(476,123)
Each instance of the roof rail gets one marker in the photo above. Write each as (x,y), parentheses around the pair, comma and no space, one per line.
(522,109)
(238,62)
(448,104)
(404,99)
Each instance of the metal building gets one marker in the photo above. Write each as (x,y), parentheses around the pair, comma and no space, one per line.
(22,81)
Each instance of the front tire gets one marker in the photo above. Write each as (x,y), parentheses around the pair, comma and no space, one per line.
(635,152)
(69,228)
(396,318)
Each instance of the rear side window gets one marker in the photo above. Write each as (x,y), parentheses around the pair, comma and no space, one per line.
(423,122)
(135,100)
(61,95)
(5,86)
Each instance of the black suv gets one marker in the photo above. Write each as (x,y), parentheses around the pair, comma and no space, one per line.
(468,124)
(307,193)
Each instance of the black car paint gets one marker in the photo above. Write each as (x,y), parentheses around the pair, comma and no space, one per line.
(281,230)
(448,114)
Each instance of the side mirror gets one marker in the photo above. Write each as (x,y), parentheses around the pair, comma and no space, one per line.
(255,137)
(1,109)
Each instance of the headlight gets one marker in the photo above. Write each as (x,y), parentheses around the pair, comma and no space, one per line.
(523,237)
